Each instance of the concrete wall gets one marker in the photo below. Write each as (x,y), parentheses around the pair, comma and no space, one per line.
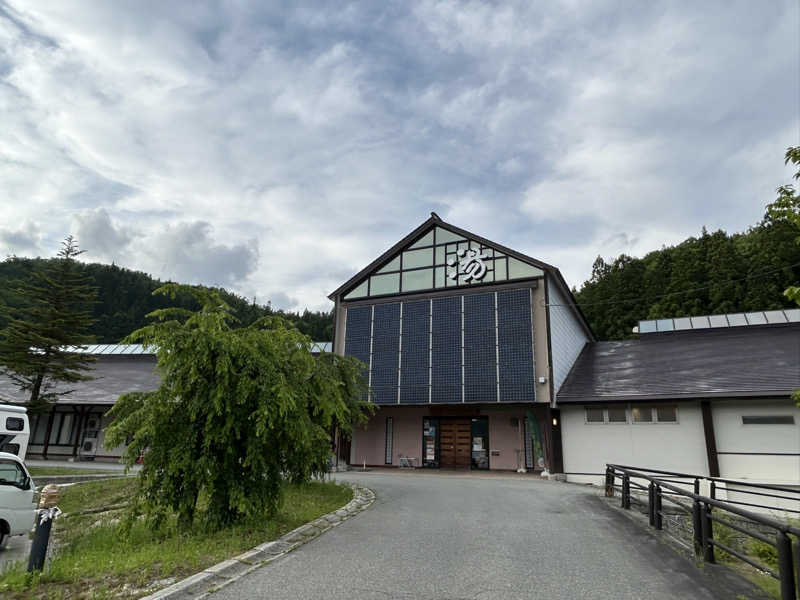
(733,436)
(368,444)
(540,353)
(567,337)
(670,446)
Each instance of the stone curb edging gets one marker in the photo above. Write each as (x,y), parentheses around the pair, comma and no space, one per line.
(208,581)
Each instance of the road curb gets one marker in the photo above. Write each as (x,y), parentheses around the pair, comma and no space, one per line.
(208,581)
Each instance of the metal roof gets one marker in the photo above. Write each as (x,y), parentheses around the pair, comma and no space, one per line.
(762,317)
(722,362)
(103,349)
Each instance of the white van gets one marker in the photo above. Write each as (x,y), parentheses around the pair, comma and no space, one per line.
(14,429)
(17,497)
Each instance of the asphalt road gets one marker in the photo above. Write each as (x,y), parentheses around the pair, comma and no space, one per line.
(451,538)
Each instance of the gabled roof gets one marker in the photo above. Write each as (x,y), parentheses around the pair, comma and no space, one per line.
(435,221)
(757,361)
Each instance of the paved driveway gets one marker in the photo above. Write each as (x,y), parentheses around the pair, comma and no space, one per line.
(451,538)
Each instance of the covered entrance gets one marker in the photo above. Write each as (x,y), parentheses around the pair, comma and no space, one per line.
(456,442)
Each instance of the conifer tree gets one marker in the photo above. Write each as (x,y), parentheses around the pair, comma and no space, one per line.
(38,347)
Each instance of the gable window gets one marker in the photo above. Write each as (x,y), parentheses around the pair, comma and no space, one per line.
(442,259)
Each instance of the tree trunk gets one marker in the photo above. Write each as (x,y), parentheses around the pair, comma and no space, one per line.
(36,390)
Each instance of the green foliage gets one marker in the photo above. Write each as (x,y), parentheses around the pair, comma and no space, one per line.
(99,557)
(238,411)
(125,298)
(52,312)
(710,274)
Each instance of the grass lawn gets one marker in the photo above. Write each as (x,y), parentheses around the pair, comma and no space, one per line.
(40,471)
(95,560)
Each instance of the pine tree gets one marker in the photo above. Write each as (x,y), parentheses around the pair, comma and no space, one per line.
(38,346)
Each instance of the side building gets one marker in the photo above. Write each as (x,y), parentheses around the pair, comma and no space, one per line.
(464,342)
(707,395)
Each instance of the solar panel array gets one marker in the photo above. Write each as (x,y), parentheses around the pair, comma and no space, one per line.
(515,345)
(473,348)
(768,317)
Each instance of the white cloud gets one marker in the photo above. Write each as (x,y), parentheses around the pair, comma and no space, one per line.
(277,151)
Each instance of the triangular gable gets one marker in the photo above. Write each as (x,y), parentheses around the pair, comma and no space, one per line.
(438,256)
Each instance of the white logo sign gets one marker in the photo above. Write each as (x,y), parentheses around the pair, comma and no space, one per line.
(469,264)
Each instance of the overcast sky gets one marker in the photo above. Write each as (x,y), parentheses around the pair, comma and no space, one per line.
(277,151)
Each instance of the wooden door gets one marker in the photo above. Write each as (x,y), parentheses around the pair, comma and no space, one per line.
(454,443)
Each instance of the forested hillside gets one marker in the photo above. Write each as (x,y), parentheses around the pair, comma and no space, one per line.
(125,297)
(726,273)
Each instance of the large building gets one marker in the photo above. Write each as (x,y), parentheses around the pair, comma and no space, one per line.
(479,358)
(465,343)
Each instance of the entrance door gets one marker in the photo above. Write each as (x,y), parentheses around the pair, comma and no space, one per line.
(454,443)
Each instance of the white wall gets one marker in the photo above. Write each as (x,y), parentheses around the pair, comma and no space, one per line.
(732,436)
(567,337)
(587,447)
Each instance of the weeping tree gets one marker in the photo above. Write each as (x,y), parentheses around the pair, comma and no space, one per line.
(238,412)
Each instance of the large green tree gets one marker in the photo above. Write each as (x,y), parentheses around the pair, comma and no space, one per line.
(787,208)
(239,410)
(51,321)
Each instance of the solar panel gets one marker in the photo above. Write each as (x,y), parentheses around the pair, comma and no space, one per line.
(665,325)
(737,320)
(775,316)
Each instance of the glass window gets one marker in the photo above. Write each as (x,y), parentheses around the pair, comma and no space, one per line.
(417,280)
(648,326)
(392,265)
(756,318)
(40,429)
(11,473)
(683,323)
(617,414)
(500,271)
(700,322)
(518,269)
(667,414)
(54,430)
(439,255)
(443,235)
(388,442)
(425,240)
(384,284)
(359,292)
(718,321)
(767,420)
(642,415)
(594,415)
(15,424)
(66,430)
(737,320)
(439,275)
(418,258)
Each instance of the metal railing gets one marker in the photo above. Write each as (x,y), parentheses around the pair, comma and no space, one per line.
(662,486)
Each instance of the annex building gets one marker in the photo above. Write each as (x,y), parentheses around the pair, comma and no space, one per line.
(479,358)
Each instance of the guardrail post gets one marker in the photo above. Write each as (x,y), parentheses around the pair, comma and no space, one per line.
(657,516)
(697,527)
(708,533)
(651,503)
(785,566)
(712,490)
(626,491)
(610,477)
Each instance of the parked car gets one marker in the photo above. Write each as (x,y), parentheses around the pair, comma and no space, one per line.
(17,498)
